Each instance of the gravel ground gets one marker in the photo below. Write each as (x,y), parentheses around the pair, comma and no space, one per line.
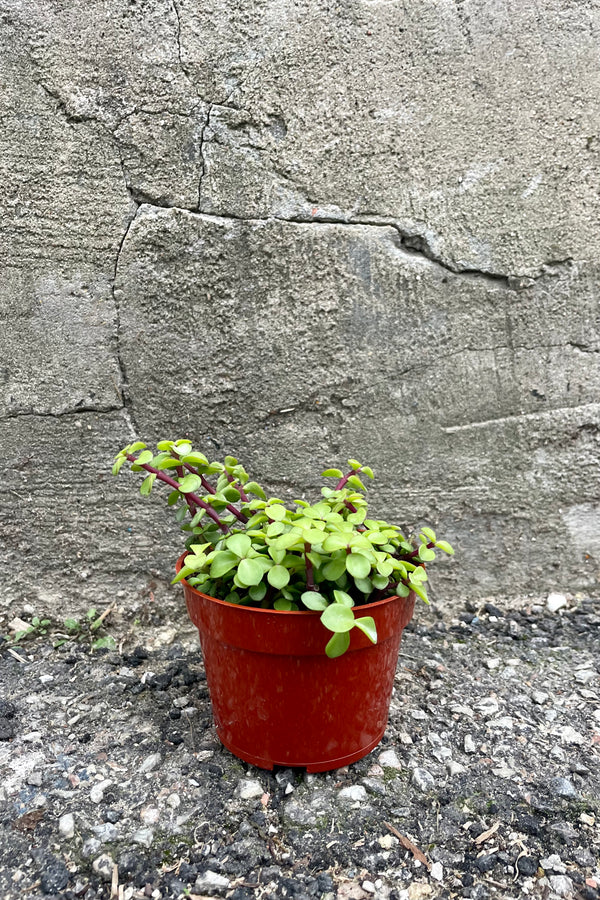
(487,783)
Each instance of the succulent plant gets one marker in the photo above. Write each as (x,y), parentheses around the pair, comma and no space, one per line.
(250,549)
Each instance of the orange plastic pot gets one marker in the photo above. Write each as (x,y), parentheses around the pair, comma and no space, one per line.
(278,700)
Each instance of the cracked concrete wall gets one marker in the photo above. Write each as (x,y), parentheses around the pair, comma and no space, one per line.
(297,232)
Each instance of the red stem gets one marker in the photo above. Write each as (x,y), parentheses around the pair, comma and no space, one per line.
(211,490)
(416,552)
(198,501)
(243,495)
(342,483)
(310,581)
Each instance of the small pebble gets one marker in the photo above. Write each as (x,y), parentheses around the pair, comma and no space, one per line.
(555,602)
(561,885)
(104,866)
(66,826)
(469,744)
(389,760)
(150,763)
(249,789)
(437,871)
(97,790)
(553,863)
(143,836)
(562,787)
(423,780)
(211,881)
(354,793)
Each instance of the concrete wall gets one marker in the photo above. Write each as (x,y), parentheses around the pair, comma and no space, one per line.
(296,232)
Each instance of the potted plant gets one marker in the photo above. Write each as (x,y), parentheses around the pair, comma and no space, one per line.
(300,611)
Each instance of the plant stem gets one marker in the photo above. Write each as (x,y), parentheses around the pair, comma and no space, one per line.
(341,484)
(198,501)
(211,490)
(416,552)
(310,580)
(243,495)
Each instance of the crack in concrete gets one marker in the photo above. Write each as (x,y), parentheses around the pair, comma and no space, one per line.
(202,156)
(178,39)
(502,420)
(48,414)
(123,387)
(409,243)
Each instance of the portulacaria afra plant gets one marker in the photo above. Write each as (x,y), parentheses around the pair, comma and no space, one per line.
(248,549)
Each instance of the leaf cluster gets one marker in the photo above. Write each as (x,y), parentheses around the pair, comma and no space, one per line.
(250,549)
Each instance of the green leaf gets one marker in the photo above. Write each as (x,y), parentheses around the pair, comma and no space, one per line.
(276,512)
(190,483)
(367,471)
(313,535)
(367,625)
(355,481)
(445,546)
(107,643)
(334,568)
(284,541)
(275,528)
(181,513)
(183,448)
(278,577)
(418,576)
(165,445)
(429,534)
(426,554)
(380,581)
(183,573)
(385,567)
(357,565)
(314,600)
(338,618)
(253,488)
(223,561)
(230,462)
(144,457)
(354,464)
(358,517)
(258,591)
(231,493)
(277,554)
(146,485)
(283,605)
(195,459)
(337,645)
(138,445)
(335,542)
(333,473)
(72,625)
(118,464)
(365,585)
(173,498)
(343,598)
(239,543)
(195,562)
(420,591)
(402,590)
(249,572)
